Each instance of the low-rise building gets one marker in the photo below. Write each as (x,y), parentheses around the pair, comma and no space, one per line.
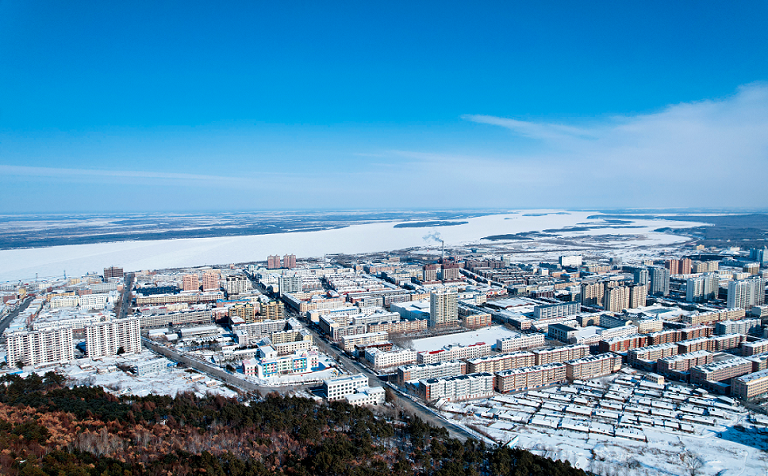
(300,362)
(152,366)
(365,396)
(338,388)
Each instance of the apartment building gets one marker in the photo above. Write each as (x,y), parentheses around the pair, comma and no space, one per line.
(754,348)
(726,342)
(113,337)
(417,372)
(746,293)
(348,343)
(549,311)
(400,327)
(211,281)
(695,332)
(190,282)
(380,359)
(622,343)
(526,378)
(664,337)
(519,342)
(592,367)
(458,388)
(236,284)
(443,309)
(455,352)
(750,385)
(49,346)
(683,362)
(175,319)
(592,294)
(651,353)
(475,321)
(720,371)
(692,345)
(714,316)
(659,281)
(560,354)
(273,310)
(497,363)
(743,326)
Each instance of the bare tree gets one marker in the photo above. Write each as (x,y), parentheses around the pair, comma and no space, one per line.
(692,462)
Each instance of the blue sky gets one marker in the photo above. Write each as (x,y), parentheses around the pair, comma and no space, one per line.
(135,106)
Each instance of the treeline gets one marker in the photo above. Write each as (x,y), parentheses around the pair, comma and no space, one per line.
(49,428)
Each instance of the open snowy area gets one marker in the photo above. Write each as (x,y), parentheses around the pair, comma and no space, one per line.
(487,335)
(623,425)
(106,372)
(76,260)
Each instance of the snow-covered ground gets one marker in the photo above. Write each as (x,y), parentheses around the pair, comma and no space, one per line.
(77,260)
(614,435)
(487,335)
(171,381)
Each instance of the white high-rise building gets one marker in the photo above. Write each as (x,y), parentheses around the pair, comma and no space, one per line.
(47,346)
(107,338)
(443,309)
(702,288)
(236,284)
(746,293)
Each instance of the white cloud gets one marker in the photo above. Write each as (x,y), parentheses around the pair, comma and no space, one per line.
(721,139)
(706,153)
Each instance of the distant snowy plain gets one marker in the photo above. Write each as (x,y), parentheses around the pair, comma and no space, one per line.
(76,260)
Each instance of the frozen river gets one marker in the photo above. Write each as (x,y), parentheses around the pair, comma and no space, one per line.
(76,260)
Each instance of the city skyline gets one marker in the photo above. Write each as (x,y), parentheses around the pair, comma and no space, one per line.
(257,106)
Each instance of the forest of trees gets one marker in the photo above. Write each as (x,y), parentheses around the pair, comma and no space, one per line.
(49,428)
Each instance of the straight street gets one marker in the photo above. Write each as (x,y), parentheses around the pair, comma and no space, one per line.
(12,315)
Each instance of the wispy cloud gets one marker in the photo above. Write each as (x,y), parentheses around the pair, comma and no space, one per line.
(20,170)
(702,153)
(532,129)
(712,138)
